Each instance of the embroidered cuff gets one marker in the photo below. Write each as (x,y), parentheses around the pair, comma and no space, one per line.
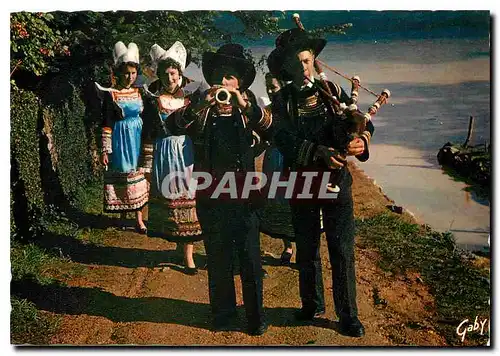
(366,136)
(266,119)
(106,140)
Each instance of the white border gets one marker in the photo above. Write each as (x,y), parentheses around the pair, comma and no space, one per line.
(99,5)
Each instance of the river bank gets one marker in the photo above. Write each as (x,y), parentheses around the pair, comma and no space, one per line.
(432,195)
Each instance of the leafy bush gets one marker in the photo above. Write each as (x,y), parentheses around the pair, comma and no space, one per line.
(34,42)
(24,107)
(27,203)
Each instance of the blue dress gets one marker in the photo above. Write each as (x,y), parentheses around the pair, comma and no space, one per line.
(126,142)
(125,187)
(172,204)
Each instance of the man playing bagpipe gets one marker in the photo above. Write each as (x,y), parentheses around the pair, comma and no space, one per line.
(314,138)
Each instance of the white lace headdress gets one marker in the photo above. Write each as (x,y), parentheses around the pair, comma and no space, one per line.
(122,54)
(177,52)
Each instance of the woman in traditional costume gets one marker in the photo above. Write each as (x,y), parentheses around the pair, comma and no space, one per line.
(172,209)
(125,187)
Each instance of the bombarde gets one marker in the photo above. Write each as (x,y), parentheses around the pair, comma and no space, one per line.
(223,96)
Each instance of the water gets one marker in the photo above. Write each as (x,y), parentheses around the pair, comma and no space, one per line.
(436,85)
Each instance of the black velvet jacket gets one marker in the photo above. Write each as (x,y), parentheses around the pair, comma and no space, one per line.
(303,120)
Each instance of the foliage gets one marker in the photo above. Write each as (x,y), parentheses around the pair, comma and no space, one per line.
(27,203)
(93,35)
(469,164)
(461,291)
(90,36)
(88,198)
(34,42)
(28,325)
(335,29)
(70,142)
(24,143)
(257,24)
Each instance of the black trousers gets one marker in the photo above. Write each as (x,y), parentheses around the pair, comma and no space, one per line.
(235,230)
(338,221)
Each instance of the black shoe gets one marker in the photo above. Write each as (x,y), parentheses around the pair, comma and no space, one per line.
(191,270)
(261,329)
(285,258)
(306,315)
(141,230)
(264,273)
(352,328)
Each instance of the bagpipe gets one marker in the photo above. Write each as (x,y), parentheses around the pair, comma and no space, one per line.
(352,120)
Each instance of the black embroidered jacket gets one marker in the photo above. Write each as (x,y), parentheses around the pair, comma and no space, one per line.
(304,120)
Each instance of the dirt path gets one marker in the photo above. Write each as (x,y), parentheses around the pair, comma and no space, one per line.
(134,291)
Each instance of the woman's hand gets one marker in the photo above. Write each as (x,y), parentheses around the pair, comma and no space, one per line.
(105,159)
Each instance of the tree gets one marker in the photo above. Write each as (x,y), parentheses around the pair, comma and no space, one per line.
(79,43)
(34,42)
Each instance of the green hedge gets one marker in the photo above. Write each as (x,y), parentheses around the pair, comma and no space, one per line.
(50,160)
(27,198)
(24,140)
(69,134)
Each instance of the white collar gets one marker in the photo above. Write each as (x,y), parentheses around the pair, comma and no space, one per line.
(308,85)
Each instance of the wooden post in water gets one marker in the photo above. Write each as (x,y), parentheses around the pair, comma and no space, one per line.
(469,133)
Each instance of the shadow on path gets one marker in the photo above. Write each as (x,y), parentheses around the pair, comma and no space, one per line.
(61,299)
(110,256)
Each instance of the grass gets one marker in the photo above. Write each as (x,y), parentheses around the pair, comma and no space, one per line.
(91,236)
(461,291)
(28,325)
(31,262)
(89,198)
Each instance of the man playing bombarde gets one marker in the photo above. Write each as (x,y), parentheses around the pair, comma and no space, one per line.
(223,139)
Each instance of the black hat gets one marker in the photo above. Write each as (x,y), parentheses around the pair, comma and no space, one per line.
(229,55)
(288,44)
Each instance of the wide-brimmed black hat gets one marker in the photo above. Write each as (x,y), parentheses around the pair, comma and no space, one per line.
(288,44)
(229,55)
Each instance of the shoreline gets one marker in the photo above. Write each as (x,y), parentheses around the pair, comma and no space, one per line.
(417,220)
(413,179)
